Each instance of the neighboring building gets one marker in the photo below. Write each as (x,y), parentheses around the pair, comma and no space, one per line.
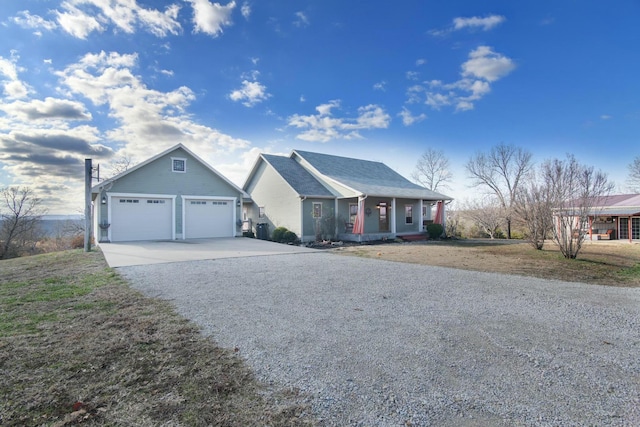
(323,196)
(173,195)
(616,217)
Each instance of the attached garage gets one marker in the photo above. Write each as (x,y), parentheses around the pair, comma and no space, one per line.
(208,217)
(141,218)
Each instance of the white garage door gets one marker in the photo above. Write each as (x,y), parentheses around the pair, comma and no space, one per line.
(138,218)
(208,218)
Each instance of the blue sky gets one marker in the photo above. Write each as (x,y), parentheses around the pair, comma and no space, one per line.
(373,80)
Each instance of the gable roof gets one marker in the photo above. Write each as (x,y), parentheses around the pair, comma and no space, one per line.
(366,177)
(97,188)
(296,176)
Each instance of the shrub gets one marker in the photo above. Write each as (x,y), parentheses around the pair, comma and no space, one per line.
(289,237)
(278,234)
(77,241)
(435,230)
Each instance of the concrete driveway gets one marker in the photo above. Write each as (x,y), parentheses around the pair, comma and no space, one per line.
(124,254)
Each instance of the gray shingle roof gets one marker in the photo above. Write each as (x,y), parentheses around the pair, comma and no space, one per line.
(372,178)
(298,178)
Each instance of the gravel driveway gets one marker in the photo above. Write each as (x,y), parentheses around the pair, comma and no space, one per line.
(376,343)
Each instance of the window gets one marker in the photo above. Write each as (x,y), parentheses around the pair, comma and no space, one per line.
(178,165)
(317,210)
(155,202)
(261,212)
(408,214)
(129,201)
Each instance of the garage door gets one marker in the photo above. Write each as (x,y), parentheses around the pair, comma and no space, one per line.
(208,218)
(138,218)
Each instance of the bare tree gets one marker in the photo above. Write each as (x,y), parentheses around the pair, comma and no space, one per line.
(20,213)
(452,227)
(487,214)
(575,190)
(501,171)
(634,175)
(120,164)
(432,170)
(534,206)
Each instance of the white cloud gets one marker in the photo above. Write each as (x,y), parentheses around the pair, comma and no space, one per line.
(487,23)
(27,20)
(408,119)
(77,23)
(245,10)
(324,127)
(380,86)
(159,23)
(606,117)
(13,87)
(420,62)
(301,20)
(412,75)
(302,98)
(81,17)
(483,67)
(147,119)
(209,18)
(475,22)
(250,94)
(484,63)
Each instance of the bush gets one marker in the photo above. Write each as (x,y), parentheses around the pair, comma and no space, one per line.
(77,242)
(277,234)
(282,235)
(435,230)
(289,237)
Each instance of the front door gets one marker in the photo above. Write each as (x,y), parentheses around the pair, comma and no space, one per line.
(384,216)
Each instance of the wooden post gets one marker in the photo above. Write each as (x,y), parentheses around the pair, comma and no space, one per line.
(88,172)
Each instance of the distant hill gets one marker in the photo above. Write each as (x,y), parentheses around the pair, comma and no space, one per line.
(61,225)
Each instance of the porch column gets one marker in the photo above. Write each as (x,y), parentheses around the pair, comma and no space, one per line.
(335,219)
(420,217)
(590,225)
(629,226)
(444,216)
(393,215)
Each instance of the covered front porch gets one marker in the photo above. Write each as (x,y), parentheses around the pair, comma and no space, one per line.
(615,226)
(370,218)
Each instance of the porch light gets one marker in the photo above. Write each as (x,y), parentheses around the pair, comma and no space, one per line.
(104,200)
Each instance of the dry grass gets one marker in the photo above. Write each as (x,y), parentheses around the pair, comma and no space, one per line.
(77,345)
(602,263)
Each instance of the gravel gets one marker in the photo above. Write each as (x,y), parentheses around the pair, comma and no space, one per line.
(375,343)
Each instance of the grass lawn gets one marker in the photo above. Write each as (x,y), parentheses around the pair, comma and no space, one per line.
(600,263)
(77,345)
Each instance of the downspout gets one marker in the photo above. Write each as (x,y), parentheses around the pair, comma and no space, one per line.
(302,199)
(335,218)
